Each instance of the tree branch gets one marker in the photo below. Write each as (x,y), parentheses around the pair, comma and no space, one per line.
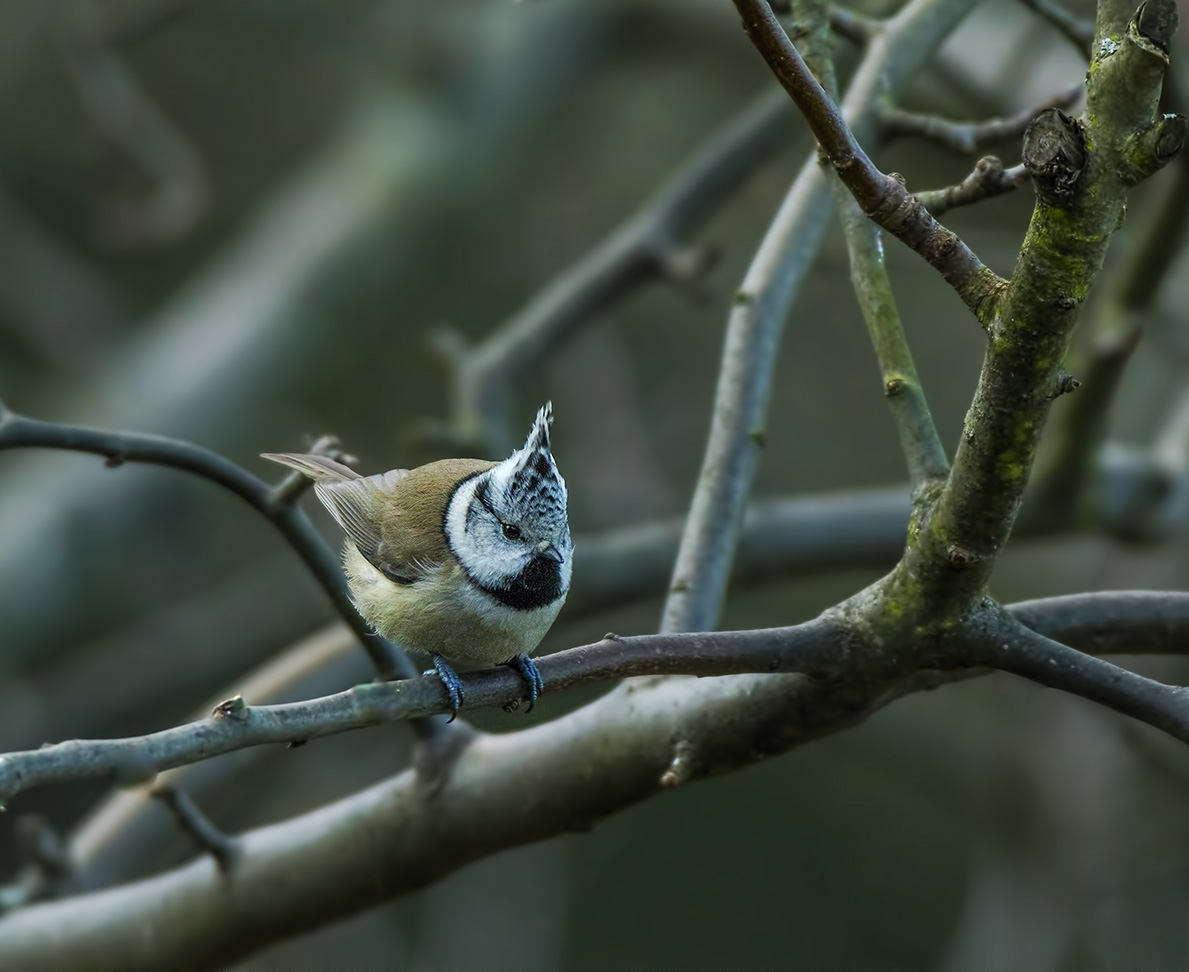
(989,178)
(19,432)
(919,440)
(882,197)
(1122,622)
(968,137)
(224,849)
(757,319)
(1061,492)
(1021,651)
(1082,170)
(526,786)
(814,648)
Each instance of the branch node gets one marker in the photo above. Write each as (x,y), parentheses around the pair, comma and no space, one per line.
(1064,385)
(234,708)
(961,557)
(680,767)
(1055,152)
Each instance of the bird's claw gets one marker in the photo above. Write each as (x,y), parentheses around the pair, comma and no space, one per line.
(527,669)
(451,683)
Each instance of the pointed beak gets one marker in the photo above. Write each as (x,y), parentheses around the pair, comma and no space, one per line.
(550,551)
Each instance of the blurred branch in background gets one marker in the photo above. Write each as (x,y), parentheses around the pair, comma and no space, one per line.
(274,503)
(651,244)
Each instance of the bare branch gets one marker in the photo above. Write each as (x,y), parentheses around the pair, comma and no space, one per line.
(753,331)
(1118,321)
(1126,622)
(882,197)
(811,648)
(919,441)
(646,246)
(522,787)
(988,179)
(1082,170)
(968,137)
(224,849)
(1040,659)
(19,432)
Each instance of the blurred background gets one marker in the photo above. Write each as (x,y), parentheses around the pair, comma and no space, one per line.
(250,223)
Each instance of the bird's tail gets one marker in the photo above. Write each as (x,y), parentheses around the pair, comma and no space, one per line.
(319,468)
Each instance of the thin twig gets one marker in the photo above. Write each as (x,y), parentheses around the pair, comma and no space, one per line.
(968,137)
(919,441)
(223,848)
(1022,651)
(989,178)
(18,431)
(883,197)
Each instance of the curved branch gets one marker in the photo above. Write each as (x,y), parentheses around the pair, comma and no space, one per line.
(19,432)
(883,197)
(1024,652)
(988,178)
(969,137)
(814,648)
(1125,622)
(919,442)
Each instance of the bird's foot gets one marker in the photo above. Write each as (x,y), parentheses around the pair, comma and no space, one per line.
(527,669)
(450,680)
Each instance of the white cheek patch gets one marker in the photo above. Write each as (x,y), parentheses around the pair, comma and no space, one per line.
(478,541)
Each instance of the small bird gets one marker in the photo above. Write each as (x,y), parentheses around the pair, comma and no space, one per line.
(464,560)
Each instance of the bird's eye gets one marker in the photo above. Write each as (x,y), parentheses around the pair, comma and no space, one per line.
(511,531)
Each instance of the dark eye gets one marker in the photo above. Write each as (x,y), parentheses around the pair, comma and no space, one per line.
(511,531)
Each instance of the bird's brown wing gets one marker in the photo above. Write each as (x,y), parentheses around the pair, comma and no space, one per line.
(396,519)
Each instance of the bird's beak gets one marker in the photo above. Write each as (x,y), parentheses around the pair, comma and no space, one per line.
(550,551)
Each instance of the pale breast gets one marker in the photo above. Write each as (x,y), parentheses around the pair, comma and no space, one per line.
(444,614)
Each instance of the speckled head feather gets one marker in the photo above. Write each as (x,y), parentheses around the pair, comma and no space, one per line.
(529,480)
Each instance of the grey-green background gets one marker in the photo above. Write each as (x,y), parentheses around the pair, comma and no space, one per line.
(986,826)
